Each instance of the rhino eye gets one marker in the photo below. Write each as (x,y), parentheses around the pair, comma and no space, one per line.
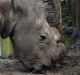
(43,37)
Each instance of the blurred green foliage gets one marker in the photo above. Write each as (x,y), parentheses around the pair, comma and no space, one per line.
(67,20)
(68,41)
(6,48)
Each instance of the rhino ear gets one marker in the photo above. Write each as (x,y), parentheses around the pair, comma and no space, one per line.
(4,24)
(9,24)
(2,19)
(7,29)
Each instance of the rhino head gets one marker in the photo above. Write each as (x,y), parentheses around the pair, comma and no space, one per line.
(34,41)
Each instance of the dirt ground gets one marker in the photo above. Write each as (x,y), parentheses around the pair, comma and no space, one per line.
(68,65)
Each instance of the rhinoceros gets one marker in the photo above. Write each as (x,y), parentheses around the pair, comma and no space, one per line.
(34,41)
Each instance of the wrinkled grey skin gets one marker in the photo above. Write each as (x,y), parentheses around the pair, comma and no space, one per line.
(34,41)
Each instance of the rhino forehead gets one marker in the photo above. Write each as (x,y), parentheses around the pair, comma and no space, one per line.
(30,5)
